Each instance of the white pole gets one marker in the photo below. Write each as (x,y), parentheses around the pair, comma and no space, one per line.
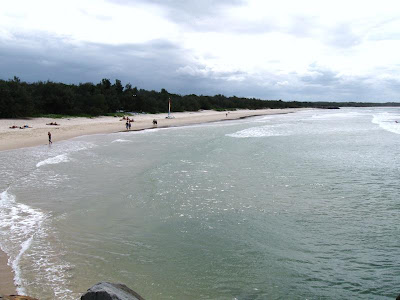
(169,107)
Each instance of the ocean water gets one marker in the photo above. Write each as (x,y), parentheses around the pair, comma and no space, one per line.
(297,206)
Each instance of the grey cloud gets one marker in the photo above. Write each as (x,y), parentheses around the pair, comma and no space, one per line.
(177,8)
(203,15)
(342,36)
(201,71)
(207,16)
(303,26)
(320,76)
(59,60)
(377,31)
(330,86)
(248,27)
(161,64)
(98,17)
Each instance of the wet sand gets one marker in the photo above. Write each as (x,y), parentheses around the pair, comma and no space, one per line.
(6,276)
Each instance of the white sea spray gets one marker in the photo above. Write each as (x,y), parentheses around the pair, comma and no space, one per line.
(121,141)
(18,224)
(262,131)
(24,233)
(387,121)
(53,160)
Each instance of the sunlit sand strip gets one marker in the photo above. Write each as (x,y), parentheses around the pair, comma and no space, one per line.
(73,127)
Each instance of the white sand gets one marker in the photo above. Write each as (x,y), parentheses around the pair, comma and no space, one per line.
(73,127)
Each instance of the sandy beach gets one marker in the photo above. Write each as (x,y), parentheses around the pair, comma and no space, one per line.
(73,127)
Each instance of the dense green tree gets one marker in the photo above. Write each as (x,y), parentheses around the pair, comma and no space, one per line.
(21,99)
(97,105)
(118,87)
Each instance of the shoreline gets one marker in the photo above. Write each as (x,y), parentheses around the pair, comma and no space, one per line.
(11,139)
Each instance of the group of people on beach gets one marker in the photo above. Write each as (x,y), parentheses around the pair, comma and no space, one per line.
(20,127)
(27,126)
(127,118)
(128,124)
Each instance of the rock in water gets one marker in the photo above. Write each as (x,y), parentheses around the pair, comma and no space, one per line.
(110,291)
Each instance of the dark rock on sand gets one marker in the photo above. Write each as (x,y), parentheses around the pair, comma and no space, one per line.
(110,291)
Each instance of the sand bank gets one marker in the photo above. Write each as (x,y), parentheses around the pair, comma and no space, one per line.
(73,127)
(6,276)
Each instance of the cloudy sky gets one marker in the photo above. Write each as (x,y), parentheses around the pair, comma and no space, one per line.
(288,49)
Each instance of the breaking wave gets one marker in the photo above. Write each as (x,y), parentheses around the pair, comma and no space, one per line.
(387,121)
(24,234)
(262,131)
(18,224)
(53,160)
(121,141)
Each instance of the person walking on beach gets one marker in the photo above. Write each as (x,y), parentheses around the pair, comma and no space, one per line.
(49,134)
(127,125)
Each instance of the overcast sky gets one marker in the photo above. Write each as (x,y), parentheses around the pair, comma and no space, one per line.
(287,49)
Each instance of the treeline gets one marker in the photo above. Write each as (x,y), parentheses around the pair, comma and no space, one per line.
(22,99)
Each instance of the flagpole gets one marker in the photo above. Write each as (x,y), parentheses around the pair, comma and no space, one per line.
(169,107)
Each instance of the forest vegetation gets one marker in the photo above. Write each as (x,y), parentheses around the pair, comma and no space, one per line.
(21,99)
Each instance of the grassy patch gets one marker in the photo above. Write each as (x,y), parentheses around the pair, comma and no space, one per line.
(116,114)
(59,116)
(225,109)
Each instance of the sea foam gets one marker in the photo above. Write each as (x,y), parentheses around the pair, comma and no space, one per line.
(339,115)
(387,121)
(24,233)
(61,152)
(18,225)
(121,141)
(262,131)
(53,160)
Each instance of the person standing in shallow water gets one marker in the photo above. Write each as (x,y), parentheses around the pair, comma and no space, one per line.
(49,134)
